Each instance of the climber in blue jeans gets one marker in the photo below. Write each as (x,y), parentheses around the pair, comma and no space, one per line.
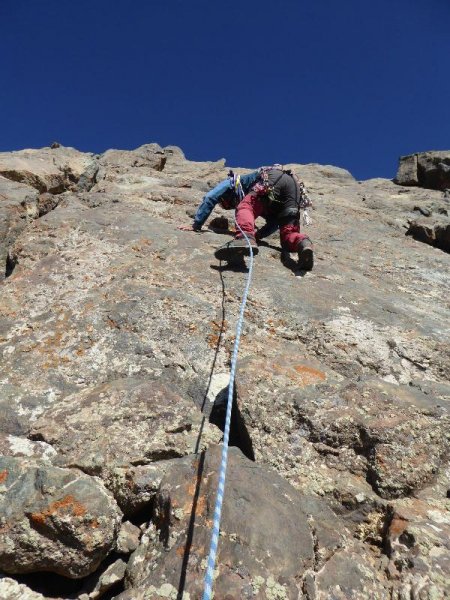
(228,193)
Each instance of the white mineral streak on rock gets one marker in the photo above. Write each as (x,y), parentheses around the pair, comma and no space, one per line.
(219,383)
(25,447)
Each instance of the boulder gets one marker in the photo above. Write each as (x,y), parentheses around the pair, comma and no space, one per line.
(10,589)
(54,520)
(99,585)
(128,538)
(435,231)
(407,171)
(391,437)
(135,487)
(426,169)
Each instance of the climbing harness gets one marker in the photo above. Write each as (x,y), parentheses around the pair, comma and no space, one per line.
(209,576)
(263,187)
(236,185)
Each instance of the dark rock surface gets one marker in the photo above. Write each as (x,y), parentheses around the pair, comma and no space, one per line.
(116,331)
(435,232)
(98,586)
(135,487)
(255,559)
(426,169)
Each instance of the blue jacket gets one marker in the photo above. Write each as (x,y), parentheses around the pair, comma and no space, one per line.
(215,196)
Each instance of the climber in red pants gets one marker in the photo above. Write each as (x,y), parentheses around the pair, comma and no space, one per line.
(277,195)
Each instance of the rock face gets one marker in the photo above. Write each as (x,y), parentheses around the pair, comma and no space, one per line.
(88,429)
(395,439)
(116,331)
(426,169)
(53,170)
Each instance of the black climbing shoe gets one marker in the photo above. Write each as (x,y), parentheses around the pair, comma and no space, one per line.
(238,247)
(305,255)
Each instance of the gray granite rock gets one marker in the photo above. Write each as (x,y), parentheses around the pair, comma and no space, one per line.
(15,202)
(11,445)
(105,582)
(435,232)
(418,546)
(10,589)
(135,487)
(128,538)
(407,171)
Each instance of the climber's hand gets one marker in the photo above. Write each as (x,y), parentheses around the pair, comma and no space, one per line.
(187,228)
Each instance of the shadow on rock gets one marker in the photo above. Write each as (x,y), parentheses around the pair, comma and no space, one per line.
(291,264)
(238,266)
(239,435)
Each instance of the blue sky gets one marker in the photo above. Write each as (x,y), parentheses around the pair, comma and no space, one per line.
(351,83)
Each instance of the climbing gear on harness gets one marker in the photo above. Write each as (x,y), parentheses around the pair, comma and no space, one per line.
(236,185)
(304,200)
(237,247)
(305,255)
(263,187)
(234,195)
(306,218)
(223,467)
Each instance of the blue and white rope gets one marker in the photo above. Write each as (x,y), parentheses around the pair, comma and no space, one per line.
(223,467)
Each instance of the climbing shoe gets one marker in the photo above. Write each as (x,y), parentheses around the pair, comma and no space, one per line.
(305,255)
(238,247)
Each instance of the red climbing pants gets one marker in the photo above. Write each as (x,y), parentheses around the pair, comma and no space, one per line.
(252,207)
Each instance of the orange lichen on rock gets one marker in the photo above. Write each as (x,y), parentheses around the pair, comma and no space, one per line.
(67,504)
(300,374)
(397,526)
(217,330)
(311,374)
(201,501)
(3,476)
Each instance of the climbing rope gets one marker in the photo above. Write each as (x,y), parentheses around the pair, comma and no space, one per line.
(223,467)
